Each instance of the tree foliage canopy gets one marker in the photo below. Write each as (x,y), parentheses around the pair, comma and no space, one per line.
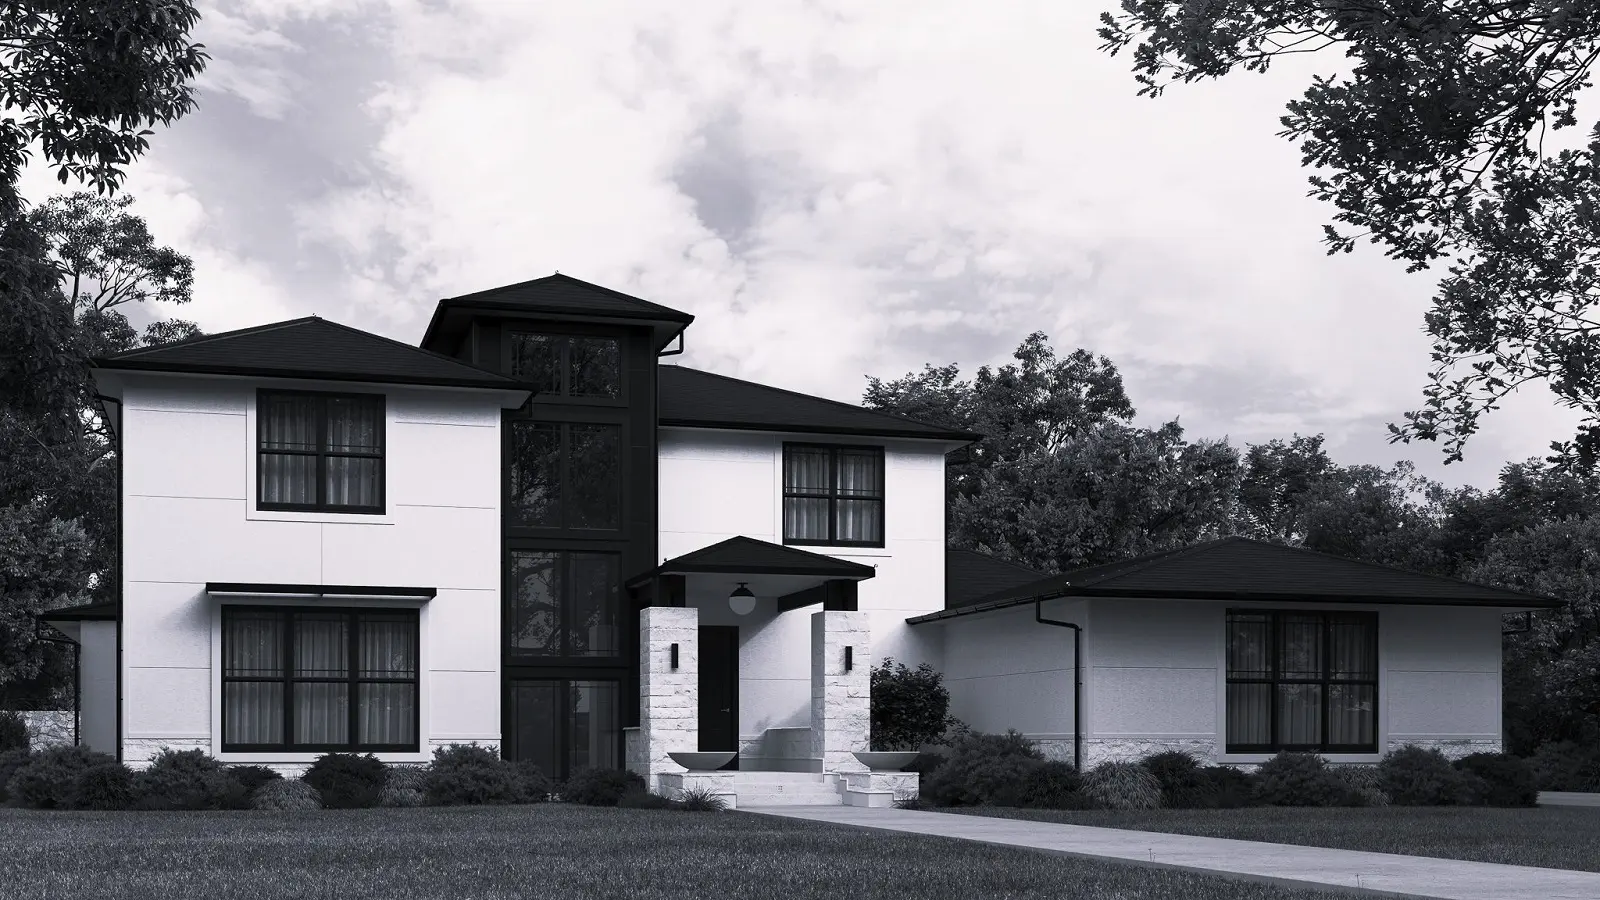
(1432,144)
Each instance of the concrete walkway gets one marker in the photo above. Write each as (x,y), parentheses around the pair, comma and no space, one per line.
(1373,874)
(1568,798)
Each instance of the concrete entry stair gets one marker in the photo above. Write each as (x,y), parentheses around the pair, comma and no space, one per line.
(787,789)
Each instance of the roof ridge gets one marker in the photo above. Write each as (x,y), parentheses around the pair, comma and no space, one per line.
(415,349)
(850,406)
(203,338)
(647,305)
(1389,568)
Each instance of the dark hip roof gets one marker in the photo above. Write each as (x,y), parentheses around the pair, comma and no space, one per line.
(1236,568)
(553,296)
(690,397)
(91,612)
(743,555)
(969,575)
(310,348)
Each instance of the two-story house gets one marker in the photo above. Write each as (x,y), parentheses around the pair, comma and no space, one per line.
(534,531)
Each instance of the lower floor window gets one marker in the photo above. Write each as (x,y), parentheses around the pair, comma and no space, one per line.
(565,724)
(319,680)
(1302,681)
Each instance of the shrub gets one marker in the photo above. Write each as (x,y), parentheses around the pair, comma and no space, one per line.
(1234,789)
(253,777)
(1184,784)
(13,731)
(533,786)
(910,707)
(1364,784)
(10,762)
(1498,779)
(978,766)
(469,775)
(643,799)
(701,800)
(600,787)
(105,786)
(347,780)
(1121,785)
(48,779)
(1413,776)
(1565,766)
(1043,784)
(286,795)
(189,779)
(1299,779)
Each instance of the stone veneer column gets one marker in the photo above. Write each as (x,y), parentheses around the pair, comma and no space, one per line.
(669,701)
(841,702)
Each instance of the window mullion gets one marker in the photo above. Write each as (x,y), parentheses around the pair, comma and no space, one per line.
(833,495)
(322,452)
(1276,631)
(353,667)
(286,622)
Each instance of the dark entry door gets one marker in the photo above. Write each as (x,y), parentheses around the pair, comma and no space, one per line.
(719,689)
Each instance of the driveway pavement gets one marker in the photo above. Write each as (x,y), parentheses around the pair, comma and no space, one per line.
(1373,874)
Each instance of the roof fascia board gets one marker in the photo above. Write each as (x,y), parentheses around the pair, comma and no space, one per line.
(738,428)
(510,397)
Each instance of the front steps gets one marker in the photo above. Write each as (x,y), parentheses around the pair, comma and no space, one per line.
(755,788)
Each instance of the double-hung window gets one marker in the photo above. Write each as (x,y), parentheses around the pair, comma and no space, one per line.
(1302,681)
(313,680)
(319,452)
(832,495)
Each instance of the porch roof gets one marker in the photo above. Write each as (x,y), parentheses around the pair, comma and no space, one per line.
(747,556)
(94,612)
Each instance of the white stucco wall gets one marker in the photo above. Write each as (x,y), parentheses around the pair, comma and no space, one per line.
(1155,676)
(190,517)
(719,484)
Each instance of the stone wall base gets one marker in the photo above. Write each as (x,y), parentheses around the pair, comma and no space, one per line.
(879,789)
(48,728)
(1454,749)
(718,783)
(1099,750)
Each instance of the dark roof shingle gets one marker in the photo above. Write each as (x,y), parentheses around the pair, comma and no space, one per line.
(1237,568)
(308,348)
(747,555)
(969,575)
(703,399)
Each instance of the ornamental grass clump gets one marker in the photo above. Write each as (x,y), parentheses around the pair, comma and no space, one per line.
(1043,784)
(1413,776)
(600,787)
(1364,783)
(469,775)
(1497,779)
(286,795)
(1184,784)
(347,780)
(49,779)
(1299,779)
(1122,785)
(700,799)
(406,786)
(188,779)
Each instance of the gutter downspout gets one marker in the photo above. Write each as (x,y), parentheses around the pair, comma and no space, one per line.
(1077,674)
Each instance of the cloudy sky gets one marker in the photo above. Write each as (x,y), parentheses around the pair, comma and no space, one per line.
(834,189)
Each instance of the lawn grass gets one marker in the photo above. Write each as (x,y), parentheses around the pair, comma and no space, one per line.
(1550,837)
(549,851)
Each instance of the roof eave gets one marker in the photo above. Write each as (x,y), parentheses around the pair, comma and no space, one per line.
(960,439)
(488,384)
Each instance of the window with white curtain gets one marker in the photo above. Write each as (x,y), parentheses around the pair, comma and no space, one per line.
(832,495)
(1302,681)
(319,452)
(319,680)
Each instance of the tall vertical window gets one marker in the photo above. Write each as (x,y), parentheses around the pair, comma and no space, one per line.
(563,725)
(1302,681)
(564,475)
(564,604)
(562,365)
(319,680)
(833,495)
(319,452)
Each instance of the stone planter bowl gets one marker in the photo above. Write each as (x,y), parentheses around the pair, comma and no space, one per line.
(704,761)
(885,760)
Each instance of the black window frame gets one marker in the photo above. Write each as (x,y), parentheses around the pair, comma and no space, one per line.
(564,480)
(323,454)
(1325,680)
(353,679)
(563,676)
(563,393)
(515,657)
(833,496)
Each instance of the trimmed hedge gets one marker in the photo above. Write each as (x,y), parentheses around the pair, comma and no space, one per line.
(1184,783)
(469,775)
(49,779)
(1414,776)
(600,787)
(189,779)
(980,767)
(1497,779)
(10,762)
(1300,779)
(105,786)
(347,780)
(1043,784)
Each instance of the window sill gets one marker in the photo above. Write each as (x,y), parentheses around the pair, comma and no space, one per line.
(327,518)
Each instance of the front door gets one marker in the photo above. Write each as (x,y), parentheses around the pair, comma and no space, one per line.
(719,689)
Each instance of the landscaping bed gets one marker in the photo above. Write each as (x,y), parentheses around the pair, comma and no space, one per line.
(553,851)
(1556,838)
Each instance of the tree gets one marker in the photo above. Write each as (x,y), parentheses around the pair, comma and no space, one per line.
(1276,477)
(107,254)
(1433,145)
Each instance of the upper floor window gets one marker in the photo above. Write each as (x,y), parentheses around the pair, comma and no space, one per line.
(564,475)
(833,495)
(563,365)
(564,603)
(1302,681)
(319,452)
